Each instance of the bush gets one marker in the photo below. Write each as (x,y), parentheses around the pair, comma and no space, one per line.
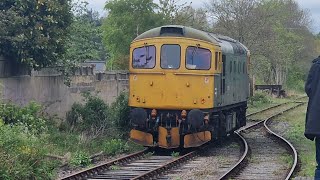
(92,117)
(29,117)
(80,159)
(95,117)
(22,155)
(115,146)
(259,97)
(119,112)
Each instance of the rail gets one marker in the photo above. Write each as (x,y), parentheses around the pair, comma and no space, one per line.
(242,161)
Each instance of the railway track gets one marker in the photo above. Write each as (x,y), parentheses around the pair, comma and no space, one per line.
(264,154)
(146,165)
(197,169)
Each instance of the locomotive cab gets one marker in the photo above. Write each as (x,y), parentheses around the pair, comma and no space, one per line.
(176,89)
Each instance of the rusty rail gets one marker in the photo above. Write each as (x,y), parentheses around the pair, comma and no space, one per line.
(96,169)
(155,172)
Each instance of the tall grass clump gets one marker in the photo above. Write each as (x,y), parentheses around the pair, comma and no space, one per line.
(22,136)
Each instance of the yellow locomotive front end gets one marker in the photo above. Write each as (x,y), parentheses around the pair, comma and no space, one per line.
(172,78)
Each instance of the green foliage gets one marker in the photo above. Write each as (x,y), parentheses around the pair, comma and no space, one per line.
(22,155)
(296,79)
(92,117)
(275,31)
(126,19)
(259,97)
(175,154)
(115,146)
(84,40)
(95,117)
(28,117)
(34,32)
(119,112)
(129,18)
(80,158)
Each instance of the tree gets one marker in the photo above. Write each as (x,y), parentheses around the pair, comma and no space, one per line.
(84,39)
(33,32)
(126,20)
(275,31)
(182,14)
(237,19)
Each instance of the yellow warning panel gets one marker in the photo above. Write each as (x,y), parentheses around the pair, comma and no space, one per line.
(169,139)
(143,138)
(196,139)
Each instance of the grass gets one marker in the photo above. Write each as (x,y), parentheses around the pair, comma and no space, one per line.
(258,106)
(63,142)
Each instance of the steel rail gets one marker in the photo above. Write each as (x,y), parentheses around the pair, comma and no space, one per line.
(155,172)
(294,152)
(234,169)
(241,161)
(96,169)
(268,108)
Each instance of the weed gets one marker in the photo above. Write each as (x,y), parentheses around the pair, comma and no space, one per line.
(22,155)
(175,154)
(259,97)
(115,167)
(115,146)
(92,117)
(80,158)
(29,117)
(149,154)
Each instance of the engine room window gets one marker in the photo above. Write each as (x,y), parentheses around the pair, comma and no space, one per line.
(198,58)
(216,61)
(170,56)
(243,68)
(144,57)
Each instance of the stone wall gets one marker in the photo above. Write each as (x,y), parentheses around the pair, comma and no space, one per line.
(48,89)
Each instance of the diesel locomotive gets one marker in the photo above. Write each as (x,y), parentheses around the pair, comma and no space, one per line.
(186,87)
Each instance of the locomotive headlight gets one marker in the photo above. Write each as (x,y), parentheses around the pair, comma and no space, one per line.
(203,101)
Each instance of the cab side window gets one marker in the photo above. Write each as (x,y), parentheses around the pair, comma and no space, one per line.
(144,57)
(198,58)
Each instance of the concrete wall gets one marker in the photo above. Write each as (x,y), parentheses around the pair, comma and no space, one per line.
(48,89)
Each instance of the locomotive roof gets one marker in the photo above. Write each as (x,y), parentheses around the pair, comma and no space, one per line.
(227,44)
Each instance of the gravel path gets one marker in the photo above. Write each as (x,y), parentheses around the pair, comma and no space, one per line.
(210,164)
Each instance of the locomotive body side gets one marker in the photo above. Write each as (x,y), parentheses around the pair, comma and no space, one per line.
(181,92)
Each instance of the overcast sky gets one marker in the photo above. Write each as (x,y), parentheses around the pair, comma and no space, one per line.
(312,5)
